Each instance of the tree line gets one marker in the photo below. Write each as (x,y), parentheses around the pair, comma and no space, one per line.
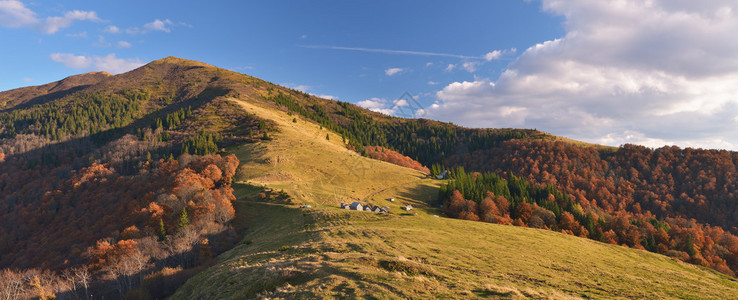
(677,202)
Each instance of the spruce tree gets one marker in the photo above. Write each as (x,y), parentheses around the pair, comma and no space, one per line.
(162,232)
(183,220)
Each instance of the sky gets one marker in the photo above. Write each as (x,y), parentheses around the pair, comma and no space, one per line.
(649,72)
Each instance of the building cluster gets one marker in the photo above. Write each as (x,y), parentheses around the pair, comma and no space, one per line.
(368,207)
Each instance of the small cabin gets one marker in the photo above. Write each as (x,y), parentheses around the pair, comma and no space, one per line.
(407,207)
(356,206)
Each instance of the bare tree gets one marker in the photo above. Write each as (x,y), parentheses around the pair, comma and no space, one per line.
(11,285)
(127,271)
(78,279)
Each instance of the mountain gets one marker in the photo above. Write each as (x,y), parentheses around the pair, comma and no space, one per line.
(130,185)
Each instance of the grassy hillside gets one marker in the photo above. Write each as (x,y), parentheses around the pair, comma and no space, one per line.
(327,252)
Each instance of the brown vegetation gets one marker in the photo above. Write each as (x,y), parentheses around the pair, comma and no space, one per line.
(394,157)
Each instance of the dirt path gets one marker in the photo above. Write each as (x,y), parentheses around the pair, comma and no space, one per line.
(365,199)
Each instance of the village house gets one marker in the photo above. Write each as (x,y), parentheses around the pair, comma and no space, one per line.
(356,206)
(368,207)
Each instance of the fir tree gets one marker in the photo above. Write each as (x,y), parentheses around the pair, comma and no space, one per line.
(183,220)
(162,231)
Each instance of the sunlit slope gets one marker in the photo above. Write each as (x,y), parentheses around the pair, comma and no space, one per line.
(313,169)
(327,252)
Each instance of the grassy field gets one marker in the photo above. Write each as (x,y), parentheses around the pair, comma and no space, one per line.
(327,252)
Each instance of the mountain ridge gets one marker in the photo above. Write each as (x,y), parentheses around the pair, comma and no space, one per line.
(297,150)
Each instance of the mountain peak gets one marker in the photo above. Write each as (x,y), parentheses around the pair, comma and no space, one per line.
(178,61)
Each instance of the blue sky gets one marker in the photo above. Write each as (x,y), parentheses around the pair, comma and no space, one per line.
(603,71)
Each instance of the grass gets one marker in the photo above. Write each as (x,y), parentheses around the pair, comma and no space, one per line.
(327,252)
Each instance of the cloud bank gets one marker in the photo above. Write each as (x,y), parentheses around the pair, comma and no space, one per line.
(627,71)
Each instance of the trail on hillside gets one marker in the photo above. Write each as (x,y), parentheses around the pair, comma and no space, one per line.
(365,199)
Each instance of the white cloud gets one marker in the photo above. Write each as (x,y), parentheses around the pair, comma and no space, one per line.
(392,71)
(398,107)
(432,83)
(112,29)
(302,88)
(331,97)
(299,87)
(373,103)
(27,79)
(102,42)
(53,24)
(469,66)
(71,60)
(653,72)
(158,25)
(400,103)
(450,67)
(377,105)
(15,14)
(109,63)
(124,44)
(493,55)
(115,65)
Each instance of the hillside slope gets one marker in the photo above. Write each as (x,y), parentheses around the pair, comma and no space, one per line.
(50,91)
(328,252)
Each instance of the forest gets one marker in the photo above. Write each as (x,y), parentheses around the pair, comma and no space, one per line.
(99,192)
(121,231)
(677,202)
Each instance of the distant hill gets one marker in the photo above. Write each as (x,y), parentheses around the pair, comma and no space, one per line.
(139,181)
(40,94)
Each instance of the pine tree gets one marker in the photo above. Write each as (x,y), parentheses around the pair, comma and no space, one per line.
(162,232)
(183,220)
